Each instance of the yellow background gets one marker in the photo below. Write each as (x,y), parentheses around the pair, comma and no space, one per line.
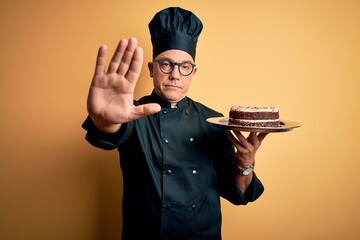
(302,56)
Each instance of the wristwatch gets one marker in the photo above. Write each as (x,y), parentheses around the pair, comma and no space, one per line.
(244,171)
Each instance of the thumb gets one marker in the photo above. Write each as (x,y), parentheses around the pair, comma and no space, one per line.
(144,110)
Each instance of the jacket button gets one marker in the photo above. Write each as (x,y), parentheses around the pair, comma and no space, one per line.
(191,139)
(166,140)
(168,172)
(168,206)
(194,172)
(193,206)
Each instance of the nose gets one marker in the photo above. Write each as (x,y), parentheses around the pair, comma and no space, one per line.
(175,74)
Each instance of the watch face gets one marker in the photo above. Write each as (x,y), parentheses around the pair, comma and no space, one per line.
(247,171)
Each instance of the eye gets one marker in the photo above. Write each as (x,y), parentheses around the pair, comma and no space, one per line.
(166,64)
(186,66)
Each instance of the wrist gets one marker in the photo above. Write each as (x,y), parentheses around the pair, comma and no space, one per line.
(243,170)
(105,126)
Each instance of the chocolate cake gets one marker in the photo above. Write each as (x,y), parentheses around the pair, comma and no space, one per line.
(254,116)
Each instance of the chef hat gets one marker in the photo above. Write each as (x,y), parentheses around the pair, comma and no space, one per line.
(175,28)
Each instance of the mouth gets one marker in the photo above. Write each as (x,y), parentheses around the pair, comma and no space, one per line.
(172,86)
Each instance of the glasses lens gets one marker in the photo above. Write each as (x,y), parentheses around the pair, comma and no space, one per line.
(186,68)
(166,66)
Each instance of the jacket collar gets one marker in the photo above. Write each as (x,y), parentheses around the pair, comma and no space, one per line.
(165,104)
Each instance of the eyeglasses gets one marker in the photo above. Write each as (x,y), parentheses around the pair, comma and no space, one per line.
(167,66)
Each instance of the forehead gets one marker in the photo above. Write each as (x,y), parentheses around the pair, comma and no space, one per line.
(175,55)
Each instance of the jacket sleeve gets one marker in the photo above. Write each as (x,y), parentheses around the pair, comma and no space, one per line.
(253,192)
(106,141)
(230,190)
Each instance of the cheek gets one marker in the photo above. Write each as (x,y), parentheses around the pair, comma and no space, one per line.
(156,84)
(157,80)
(159,77)
(187,84)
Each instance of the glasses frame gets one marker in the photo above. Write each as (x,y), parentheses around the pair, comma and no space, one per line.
(173,64)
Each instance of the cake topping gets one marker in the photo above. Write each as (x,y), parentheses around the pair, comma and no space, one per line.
(254,109)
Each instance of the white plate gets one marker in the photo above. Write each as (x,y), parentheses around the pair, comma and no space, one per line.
(286,125)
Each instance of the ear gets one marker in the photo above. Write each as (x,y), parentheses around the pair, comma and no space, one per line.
(195,69)
(151,68)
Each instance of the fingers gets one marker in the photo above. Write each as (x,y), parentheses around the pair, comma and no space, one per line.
(135,66)
(127,59)
(235,141)
(100,60)
(252,141)
(127,56)
(262,136)
(118,54)
(242,140)
(246,147)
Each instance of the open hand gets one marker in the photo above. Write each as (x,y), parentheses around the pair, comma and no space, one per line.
(111,94)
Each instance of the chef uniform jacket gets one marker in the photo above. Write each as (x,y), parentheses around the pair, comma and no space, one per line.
(175,166)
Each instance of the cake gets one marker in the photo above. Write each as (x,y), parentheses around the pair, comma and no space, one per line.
(254,116)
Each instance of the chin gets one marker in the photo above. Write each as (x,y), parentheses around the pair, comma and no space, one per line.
(172,97)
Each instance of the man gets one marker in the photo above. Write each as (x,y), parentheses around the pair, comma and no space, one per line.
(175,165)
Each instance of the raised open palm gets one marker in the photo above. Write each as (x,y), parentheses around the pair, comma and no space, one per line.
(110,99)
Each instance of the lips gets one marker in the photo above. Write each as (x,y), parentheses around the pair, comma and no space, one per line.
(172,86)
